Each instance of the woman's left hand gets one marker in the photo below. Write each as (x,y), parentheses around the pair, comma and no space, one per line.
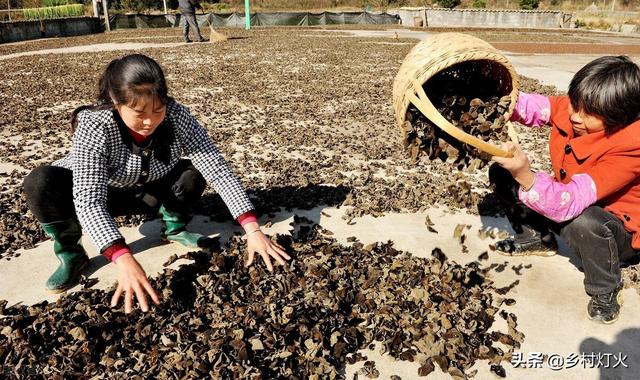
(258,242)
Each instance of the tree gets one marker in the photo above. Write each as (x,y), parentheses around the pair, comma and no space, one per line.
(137,6)
(529,4)
(449,3)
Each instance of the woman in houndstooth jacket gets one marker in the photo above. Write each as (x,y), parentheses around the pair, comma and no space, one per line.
(127,158)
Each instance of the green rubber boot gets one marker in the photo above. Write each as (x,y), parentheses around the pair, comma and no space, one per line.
(66,236)
(174,229)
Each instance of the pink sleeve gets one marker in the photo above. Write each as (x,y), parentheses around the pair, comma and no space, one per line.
(558,201)
(532,110)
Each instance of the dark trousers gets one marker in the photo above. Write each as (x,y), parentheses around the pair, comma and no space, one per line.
(190,22)
(596,236)
(49,194)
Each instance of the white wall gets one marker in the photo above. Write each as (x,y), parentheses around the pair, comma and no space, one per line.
(482,18)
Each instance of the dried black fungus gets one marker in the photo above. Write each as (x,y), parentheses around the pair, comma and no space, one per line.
(476,109)
(498,370)
(290,174)
(307,320)
(218,319)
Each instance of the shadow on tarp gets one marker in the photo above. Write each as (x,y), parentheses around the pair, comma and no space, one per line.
(271,201)
(268,202)
(618,360)
(492,216)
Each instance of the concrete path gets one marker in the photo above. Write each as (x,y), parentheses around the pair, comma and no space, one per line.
(550,69)
(550,300)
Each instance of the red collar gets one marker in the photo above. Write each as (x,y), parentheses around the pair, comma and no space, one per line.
(138,138)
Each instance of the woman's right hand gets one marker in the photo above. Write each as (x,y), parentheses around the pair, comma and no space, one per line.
(518,165)
(132,279)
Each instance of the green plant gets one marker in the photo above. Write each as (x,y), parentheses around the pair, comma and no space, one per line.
(449,3)
(479,4)
(579,23)
(601,25)
(529,4)
(56,3)
(138,6)
(216,8)
(71,10)
(375,4)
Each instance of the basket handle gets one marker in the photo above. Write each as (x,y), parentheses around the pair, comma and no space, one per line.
(420,99)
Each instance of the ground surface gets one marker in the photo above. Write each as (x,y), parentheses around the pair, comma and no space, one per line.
(304,116)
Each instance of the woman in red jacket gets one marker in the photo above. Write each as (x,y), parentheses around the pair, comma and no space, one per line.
(592,200)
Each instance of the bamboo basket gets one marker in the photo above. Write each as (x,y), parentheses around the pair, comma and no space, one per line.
(455,54)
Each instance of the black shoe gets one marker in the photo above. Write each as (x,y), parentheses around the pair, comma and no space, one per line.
(204,40)
(188,41)
(605,308)
(528,243)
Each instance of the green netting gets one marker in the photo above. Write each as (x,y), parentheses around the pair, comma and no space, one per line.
(257,19)
(64,27)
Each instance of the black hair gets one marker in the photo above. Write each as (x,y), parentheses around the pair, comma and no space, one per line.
(126,80)
(608,87)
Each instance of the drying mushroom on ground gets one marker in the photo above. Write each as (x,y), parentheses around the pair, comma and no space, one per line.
(307,321)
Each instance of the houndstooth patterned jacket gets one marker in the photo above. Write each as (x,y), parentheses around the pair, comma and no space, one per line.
(101,157)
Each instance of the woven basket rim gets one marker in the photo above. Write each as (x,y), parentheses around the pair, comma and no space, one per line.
(477,56)
(438,53)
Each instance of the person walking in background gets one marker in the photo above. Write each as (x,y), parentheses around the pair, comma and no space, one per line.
(188,10)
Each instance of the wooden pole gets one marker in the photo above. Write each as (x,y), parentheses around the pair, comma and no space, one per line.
(9,8)
(96,13)
(164,2)
(105,8)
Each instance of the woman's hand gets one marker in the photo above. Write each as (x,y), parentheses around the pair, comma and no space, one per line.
(518,165)
(132,279)
(257,242)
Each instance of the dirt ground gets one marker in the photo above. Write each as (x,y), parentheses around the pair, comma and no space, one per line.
(306,122)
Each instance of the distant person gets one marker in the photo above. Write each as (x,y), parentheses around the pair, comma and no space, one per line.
(592,200)
(136,151)
(188,10)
